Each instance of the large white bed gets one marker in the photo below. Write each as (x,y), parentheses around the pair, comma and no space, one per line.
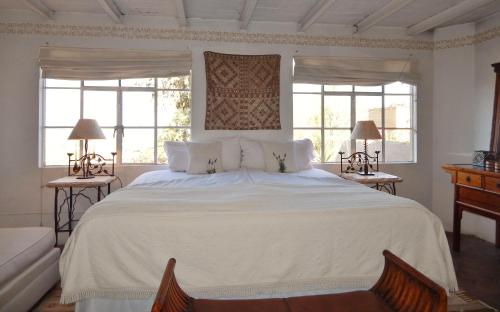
(245,233)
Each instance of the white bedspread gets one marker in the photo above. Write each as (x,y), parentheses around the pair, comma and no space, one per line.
(247,233)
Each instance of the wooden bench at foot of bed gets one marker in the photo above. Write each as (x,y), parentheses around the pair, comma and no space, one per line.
(400,288)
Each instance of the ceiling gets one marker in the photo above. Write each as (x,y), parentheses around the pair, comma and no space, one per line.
(416,15)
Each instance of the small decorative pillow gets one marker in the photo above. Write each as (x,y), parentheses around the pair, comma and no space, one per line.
(177,155)
(231,153)
(204,157)
(304,153)
(252,155)
(279,157)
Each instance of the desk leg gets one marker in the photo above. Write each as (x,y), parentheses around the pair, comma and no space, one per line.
(98,193)
(56,206)
(70,211)
(497,241)
(394,188)
(457,221)
(109,188)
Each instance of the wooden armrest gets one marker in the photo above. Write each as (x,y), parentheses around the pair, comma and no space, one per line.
(170,297)
(405,289)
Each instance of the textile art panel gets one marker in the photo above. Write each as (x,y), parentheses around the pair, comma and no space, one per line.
(243,91)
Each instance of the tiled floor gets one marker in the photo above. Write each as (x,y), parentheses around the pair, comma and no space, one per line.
(478,269)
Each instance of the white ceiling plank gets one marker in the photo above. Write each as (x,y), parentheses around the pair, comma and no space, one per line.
(39,8)
(312,16)
(381,14)
(247,12)
(181,13)
(112,10)
(447,15)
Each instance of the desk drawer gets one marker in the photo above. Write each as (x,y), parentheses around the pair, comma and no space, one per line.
(469,179)
(492,184)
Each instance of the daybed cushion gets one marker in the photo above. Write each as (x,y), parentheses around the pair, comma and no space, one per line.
(21,247)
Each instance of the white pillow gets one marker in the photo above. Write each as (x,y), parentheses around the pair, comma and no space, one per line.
(200,154)
(231,153)
(304,153)
(177,155)
(252,155)
(285,151)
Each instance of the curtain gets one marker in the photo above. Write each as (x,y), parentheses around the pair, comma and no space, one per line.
(102,64)
(356,71)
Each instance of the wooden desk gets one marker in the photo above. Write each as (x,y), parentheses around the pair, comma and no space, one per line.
(380,180)
(477,190)
(71,182)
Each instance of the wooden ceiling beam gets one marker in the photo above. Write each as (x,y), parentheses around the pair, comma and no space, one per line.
(314,14)
(39,8)
(247,12)
(449,14)
(381,14)
(181,13)
(112,10)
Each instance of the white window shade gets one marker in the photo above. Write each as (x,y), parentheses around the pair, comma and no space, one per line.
(356,71)
(102,64)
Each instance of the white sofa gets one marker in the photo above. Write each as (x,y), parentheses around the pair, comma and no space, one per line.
(29,266)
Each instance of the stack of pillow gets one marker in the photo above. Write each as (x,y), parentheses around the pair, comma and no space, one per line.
(234,153)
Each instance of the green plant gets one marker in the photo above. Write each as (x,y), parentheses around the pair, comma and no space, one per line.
(281,162)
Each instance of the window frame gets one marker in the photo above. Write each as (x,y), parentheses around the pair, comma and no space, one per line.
(353,93)
(119,128)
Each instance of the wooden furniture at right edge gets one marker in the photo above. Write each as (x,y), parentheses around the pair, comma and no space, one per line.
(477,190)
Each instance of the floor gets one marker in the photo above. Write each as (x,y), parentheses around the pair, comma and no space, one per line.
(477,266)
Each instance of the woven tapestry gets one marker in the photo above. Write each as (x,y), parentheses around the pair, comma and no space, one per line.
(243,92)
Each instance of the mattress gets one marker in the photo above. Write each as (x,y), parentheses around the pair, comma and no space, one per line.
(21,247)
(245,234)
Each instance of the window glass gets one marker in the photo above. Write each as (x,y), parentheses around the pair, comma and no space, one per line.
(368,88)
(62,107)
(369,107)
(307,110)
(101,83)
(101,106)
(174,108)
(60,146)
(398,88)
(138,146)
(328,114)
(138,109)
(337,111)
(305,87)
(134,116)
(338,88)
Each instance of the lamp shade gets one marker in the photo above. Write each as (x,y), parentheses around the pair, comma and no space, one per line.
(86,129)
(366,130)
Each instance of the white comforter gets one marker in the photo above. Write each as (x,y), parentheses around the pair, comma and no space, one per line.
(247,233)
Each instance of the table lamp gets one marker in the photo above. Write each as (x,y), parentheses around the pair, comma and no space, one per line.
(86,129)
(365,130)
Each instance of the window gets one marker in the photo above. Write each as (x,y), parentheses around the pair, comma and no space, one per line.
(327,114)
(136,116)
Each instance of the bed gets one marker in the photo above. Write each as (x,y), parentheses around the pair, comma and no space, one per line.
(245,234)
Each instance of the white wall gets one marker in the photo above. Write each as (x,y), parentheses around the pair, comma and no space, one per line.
(463,105)
(24,200)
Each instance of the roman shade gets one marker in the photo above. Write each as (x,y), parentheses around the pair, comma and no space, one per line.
(356,71)
(102,64)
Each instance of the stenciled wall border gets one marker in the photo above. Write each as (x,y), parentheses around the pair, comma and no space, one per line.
(125,32)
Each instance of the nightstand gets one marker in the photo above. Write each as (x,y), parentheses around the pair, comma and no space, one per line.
(380,180)
(71,182)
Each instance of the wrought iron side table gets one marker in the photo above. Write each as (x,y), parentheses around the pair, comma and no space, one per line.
(381,181)
(71,182)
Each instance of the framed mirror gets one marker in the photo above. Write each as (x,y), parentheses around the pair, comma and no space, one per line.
(495,128)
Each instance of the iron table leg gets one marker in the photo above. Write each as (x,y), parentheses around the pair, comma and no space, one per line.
(56,206)
(98,193)
(70,211)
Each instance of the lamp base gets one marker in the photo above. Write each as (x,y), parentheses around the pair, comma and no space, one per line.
(365,174)
(84,178)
